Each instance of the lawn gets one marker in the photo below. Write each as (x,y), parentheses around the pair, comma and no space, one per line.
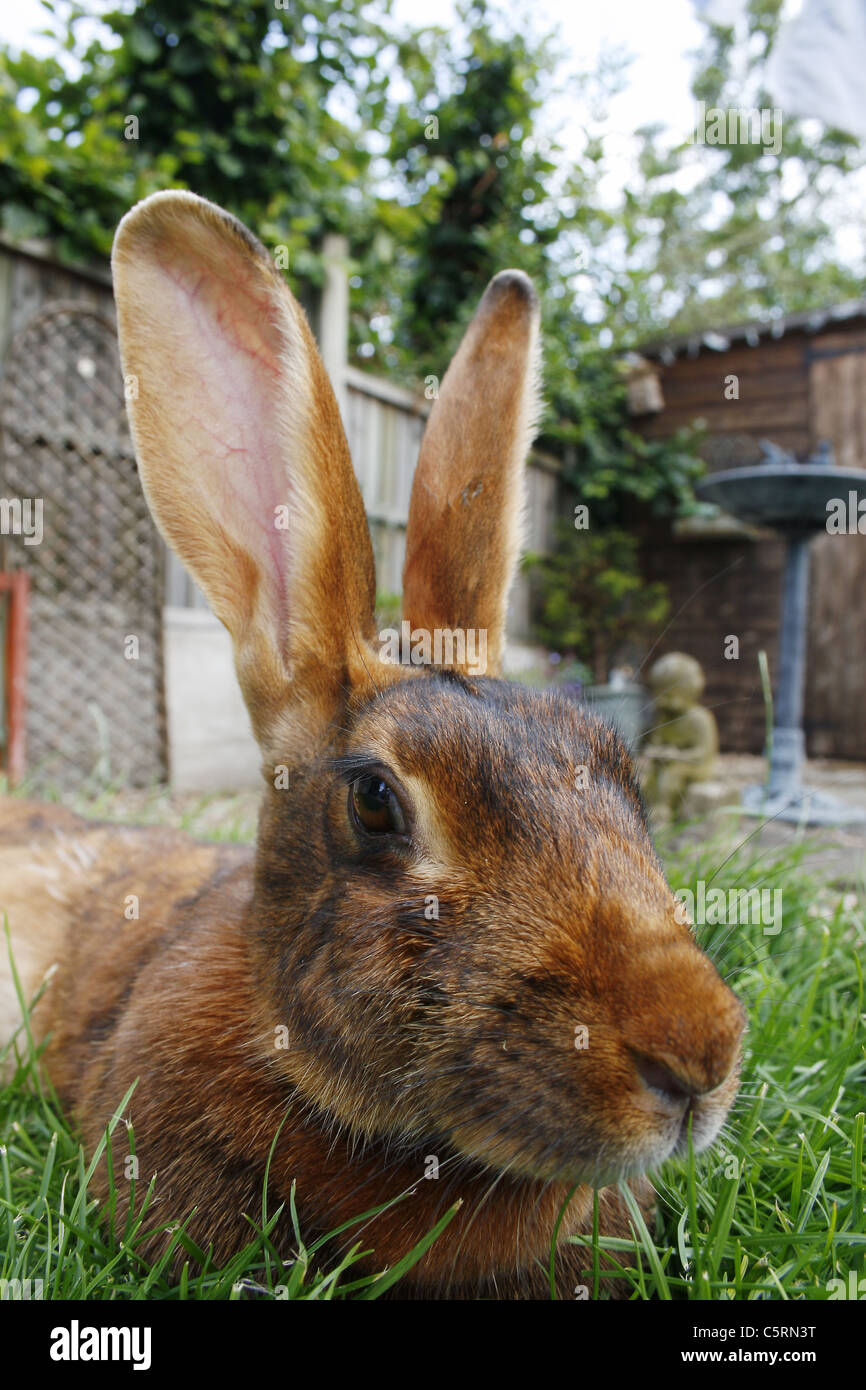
(775,1210)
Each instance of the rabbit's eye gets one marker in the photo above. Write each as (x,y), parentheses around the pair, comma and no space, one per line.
(375,807)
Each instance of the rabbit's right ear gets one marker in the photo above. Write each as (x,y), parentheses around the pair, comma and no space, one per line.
(242,454)
(465,516)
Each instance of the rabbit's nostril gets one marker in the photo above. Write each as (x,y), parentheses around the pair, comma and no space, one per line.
(658,1076)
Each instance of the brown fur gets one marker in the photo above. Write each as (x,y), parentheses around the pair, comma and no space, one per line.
(471,461)
(408,1034)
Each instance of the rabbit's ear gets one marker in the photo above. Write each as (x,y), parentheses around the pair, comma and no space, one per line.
(466,512)
(241,451)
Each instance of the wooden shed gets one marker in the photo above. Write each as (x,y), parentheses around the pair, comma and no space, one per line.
(795,381)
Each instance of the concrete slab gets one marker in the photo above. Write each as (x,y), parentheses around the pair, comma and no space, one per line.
(837,853)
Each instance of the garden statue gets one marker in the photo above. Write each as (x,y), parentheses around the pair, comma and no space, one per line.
(684,741)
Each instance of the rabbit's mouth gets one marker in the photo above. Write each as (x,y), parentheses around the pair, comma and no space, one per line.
(702,1119)
(682,1112)
(655,1120)
(698,1120)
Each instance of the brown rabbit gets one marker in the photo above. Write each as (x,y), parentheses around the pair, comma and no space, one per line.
(453,946)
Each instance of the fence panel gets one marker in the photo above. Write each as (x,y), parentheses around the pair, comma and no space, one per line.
(95,706)
(384,425)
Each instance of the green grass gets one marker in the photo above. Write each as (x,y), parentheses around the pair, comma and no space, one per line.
(221,817)
(55,1236)
(775,1210)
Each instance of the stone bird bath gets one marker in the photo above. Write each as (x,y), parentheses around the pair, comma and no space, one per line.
(794,500)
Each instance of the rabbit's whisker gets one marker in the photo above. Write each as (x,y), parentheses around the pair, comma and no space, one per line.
(711,580)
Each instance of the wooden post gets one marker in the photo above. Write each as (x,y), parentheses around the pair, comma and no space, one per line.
(17,585)
(334,319)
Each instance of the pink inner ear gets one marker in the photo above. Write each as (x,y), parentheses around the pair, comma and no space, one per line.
(222,428)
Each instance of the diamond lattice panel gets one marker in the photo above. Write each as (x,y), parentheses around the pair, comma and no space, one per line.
(95,710)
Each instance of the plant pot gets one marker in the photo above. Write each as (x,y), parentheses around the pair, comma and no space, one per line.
(623,706)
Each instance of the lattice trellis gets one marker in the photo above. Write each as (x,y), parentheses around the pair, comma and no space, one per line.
(95,711)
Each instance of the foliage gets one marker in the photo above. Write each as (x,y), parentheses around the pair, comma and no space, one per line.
(592,600)
(432,151)
(721,234)
(475,168)
(233,101)
(482,187)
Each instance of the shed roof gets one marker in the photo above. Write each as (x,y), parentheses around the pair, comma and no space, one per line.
(37,249)
(720,340)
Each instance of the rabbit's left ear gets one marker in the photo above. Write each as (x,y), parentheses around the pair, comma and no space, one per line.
(465,517)
(242,453)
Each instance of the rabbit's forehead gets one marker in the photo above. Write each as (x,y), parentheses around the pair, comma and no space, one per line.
(518,763)
(487,726)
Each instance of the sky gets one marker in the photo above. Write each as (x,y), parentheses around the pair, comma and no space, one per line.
(661,36)
(658,87)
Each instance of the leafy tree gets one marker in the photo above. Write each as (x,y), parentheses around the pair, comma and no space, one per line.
(481,187)
(719,234)
(233,100)
(289,117)
(470,157)
(591,599)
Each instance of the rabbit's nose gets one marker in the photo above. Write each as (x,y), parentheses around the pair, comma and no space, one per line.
(680,1081)
(659,1076)
(685,1042)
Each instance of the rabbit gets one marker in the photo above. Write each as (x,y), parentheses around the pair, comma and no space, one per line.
(451,969)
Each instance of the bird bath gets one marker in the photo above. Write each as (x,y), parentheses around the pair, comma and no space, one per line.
(793,499)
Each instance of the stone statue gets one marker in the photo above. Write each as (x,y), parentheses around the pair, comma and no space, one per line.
(683,743)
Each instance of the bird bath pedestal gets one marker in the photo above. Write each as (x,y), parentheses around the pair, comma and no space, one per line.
(792,499)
